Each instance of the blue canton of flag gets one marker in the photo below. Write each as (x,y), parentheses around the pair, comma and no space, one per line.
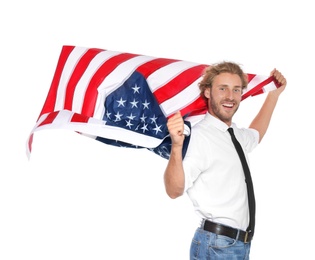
(132,106)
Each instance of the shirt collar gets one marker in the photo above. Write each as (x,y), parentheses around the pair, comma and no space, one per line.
(217,122)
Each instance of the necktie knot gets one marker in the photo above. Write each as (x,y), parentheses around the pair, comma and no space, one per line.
(230,129)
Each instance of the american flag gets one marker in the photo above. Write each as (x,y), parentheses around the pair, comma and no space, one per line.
(124,99)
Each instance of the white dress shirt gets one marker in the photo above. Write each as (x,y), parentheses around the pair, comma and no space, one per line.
(214,177)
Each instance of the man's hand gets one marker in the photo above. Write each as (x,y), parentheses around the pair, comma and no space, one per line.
(175,126)
(280,79)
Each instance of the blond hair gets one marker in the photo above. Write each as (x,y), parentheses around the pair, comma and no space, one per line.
(218,68)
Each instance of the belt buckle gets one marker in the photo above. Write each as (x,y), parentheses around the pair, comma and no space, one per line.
(246,237)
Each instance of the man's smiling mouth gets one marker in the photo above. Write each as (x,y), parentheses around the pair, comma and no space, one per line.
(229,105)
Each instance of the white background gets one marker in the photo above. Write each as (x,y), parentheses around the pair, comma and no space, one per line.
(80,199)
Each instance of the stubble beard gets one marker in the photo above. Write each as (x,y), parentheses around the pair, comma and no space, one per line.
(218,112)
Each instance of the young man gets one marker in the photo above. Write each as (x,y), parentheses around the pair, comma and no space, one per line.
(211,172)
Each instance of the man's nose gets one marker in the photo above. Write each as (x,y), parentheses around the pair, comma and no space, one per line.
(229,94)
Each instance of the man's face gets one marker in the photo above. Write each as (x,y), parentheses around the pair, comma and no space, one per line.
(224,97)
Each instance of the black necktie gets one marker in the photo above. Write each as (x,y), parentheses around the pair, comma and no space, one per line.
(248,180)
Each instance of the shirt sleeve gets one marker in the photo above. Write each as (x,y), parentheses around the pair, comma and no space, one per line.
(250,138)
(194,162)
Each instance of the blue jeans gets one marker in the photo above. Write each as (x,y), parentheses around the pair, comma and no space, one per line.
(209,246)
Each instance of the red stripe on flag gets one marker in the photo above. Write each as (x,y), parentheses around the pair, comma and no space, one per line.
(257,87)
(49,119)
(77,73)
(50,102)
(149,67)
(258,92)
(29,143)
(250,77)
(262,90)
(91,91)
(198,107)
(179,83)
(78,118)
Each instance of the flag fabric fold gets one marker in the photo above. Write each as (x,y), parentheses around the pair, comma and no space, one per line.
(125,99)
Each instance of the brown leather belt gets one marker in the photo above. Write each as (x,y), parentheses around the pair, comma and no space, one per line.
(220,229)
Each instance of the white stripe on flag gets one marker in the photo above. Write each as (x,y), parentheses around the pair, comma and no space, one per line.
(83,83)
(182,99)
(96,127)
(269,87)
(255,81)
(72,60)
(165,74)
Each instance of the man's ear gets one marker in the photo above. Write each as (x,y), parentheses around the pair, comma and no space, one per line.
(207,92)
